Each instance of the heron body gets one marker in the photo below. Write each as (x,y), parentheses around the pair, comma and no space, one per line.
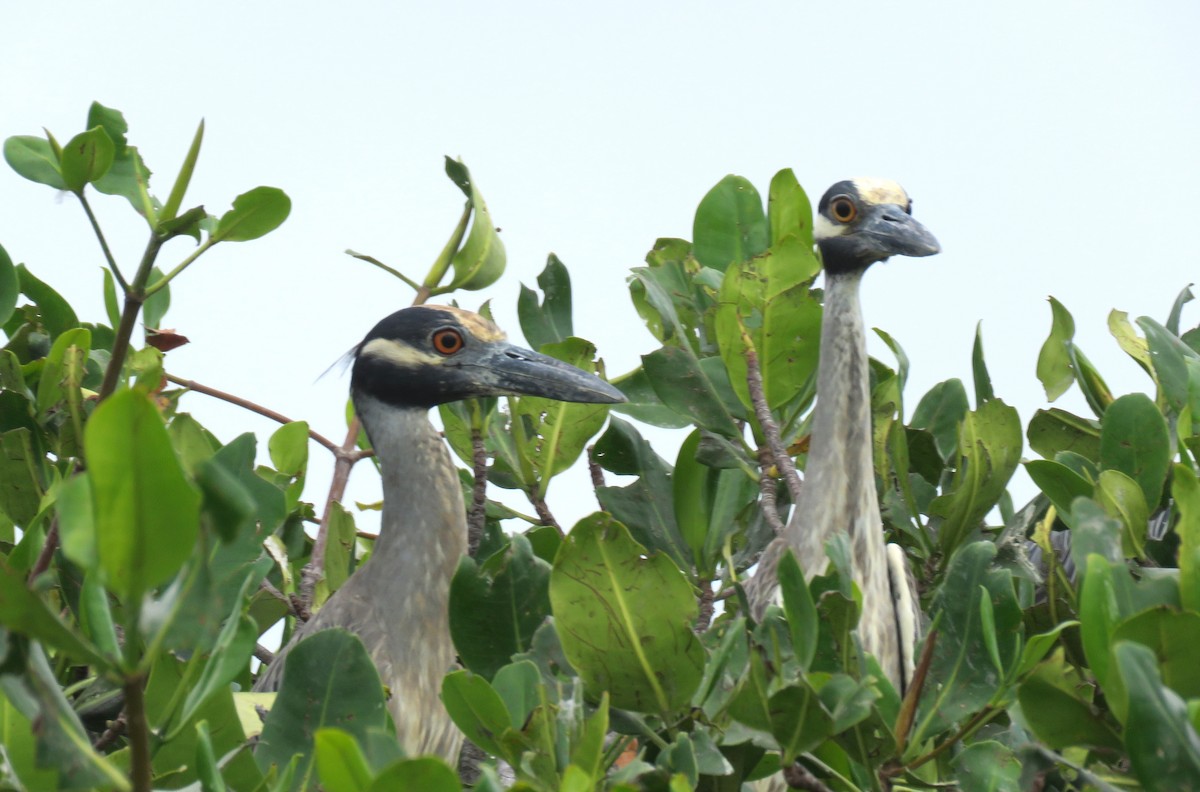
(859,222)
(397,603)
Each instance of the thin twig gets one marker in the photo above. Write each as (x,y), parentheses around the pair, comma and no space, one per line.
(314,570)
(766,487)
(704,617)
(787,468)
(543,511)
(246,404)
(477,516)
(47,552)
(287,599)
(108,256)
(594,468)
(115,729)
(798,777)
(264,655)
(908,708)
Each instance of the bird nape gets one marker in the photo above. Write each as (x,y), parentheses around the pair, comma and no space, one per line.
(859,222)
(397,602)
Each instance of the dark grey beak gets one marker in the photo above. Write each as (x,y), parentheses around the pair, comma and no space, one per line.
(890,231)
(512,370)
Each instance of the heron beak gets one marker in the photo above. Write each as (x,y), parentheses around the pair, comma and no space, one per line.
(513,370)
(890,231)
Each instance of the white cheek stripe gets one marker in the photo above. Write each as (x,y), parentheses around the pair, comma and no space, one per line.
(400,354)
(824,228)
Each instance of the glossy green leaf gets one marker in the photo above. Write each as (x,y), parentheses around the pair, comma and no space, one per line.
(147,514)
(206,761)
(799,722)
(341,764)
(768,300)
(481,259)
(940,411)
(517,685)
(425,774)
(1053,431)
(23,611)
(730,227)
(550,321)
(476,709)
(228,506)
(1121,497)
(1053,704)
(1174,636)
(1164,748)
(788,210)
(989,448)
(1037,646)
(328,681)
(229,656)
(254,214)
(681,384)
(34,159)
(1059,483)
(625,618)
(128,177)
(495,610)
(644,404)
(339,552)
(1134,441)
(20,469)
(1095,389)
(86,158)
(56,313)
(10,286)
(170,209)
(20,747)
(1054,361)
(288,447)
(1169,355)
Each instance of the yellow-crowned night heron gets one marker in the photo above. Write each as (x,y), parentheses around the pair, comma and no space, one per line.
(397,602)
(859,222)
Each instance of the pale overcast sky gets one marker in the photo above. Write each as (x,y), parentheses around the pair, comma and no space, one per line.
(1051,147)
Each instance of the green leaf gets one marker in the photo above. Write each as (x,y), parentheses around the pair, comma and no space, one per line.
(798,721)
(1186,491)
(1181,300)
(800,609)
(10,286)
(1164,748)
(147,514)
(789,210)
(340,762)
(549,322)
(979,371)
(86,158)
(171,209)
(1039,645)
(417,775)
(328,681)
(229,656)
(56,313)
(644,404)
(625,618)
(1053,431)
(157,304)
(206,761)
(966,676)
(987,766)
(1175,638)
(228,506)
(494,611)
(480,261)
(24,612)
(940,411)
(681,384)
(1122,498)
(730,227)
(1051,705)
(288,447)
(254,214)
(476,709)
(768,298)
(989,448)
(1059,483)
(517,685)
(128,177)
(20,470)
(562,429)
(1169,355)
(1054,367)
(1134,441)
(20,747)
(33,158)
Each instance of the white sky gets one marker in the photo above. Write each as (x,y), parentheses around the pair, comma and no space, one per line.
(1051,147)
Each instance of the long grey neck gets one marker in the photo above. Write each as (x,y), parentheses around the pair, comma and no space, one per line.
(423,530)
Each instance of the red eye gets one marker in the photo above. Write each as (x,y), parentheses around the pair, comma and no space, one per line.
(447,341)
(844,209)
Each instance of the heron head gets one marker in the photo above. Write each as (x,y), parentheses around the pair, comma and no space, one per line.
(432,354)
(862,221)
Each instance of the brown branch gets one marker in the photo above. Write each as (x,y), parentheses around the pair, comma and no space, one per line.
(766,487)
(246,404)
(597,473)
(264,655)
(908,707)
(787,468)
(477,516)
(47,552)
(115,729)
(292,602)
(798,777)
(314,570)
(704,617)
(543,511)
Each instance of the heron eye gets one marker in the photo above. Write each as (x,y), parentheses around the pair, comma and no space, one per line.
(844,209)
(447,341)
